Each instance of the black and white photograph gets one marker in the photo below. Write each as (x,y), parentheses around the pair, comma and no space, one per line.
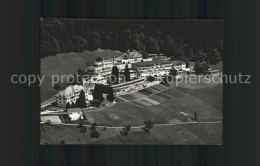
(131,81)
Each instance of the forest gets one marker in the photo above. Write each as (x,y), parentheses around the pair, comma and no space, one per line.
(179,39)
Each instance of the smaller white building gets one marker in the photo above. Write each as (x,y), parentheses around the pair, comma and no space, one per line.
(71,94)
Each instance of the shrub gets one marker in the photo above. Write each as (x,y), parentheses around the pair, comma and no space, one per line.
(127,127)
(62,142)
(94,134)
(124,132)
(201,67)
(148,124)
(48,122)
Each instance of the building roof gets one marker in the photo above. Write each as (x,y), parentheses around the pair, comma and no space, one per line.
(128,83)
(70,90)
(156,61)
(133,54)
(89,85)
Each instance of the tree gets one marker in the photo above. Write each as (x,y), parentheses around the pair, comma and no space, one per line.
(98,59)
(136,44)
(54,46)
(94,134)
(97,93)
(125,130)
(201,67)
(110,96)
(115,41)
(220,48)
(150,78)
(80,44)
(68,45)
(170,47)
(127,73)
(72,105)
(80,72)
(152,45)
(137,41)
(115,75)
(201,56)
(105,40)
(159,38)
(173,72)
(187,63)
(190,55)
(182,49)
(94,38)
(81,101)
(127,127)
(195,116)
(67,105)
(48,122)
(214,56)
(148,125)
(145,55)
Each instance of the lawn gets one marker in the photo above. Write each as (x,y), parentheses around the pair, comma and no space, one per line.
(204,99)
(190,104)
(206,102)
(188,134)
(128,114)
(210,95)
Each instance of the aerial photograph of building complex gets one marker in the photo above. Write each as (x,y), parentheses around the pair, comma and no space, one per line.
(129,81)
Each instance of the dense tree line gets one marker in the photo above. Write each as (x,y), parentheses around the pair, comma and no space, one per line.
(99,90)
(188,40)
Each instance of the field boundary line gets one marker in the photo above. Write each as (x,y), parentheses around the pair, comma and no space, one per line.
(138,127)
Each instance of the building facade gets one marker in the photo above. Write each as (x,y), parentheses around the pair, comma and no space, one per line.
(71,94)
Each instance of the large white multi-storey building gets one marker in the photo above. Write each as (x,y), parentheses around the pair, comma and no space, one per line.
(158,66)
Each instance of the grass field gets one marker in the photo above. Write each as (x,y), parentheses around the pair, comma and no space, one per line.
(68,63)
(127,113)
(210,95)
(162,105)
(188,134)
